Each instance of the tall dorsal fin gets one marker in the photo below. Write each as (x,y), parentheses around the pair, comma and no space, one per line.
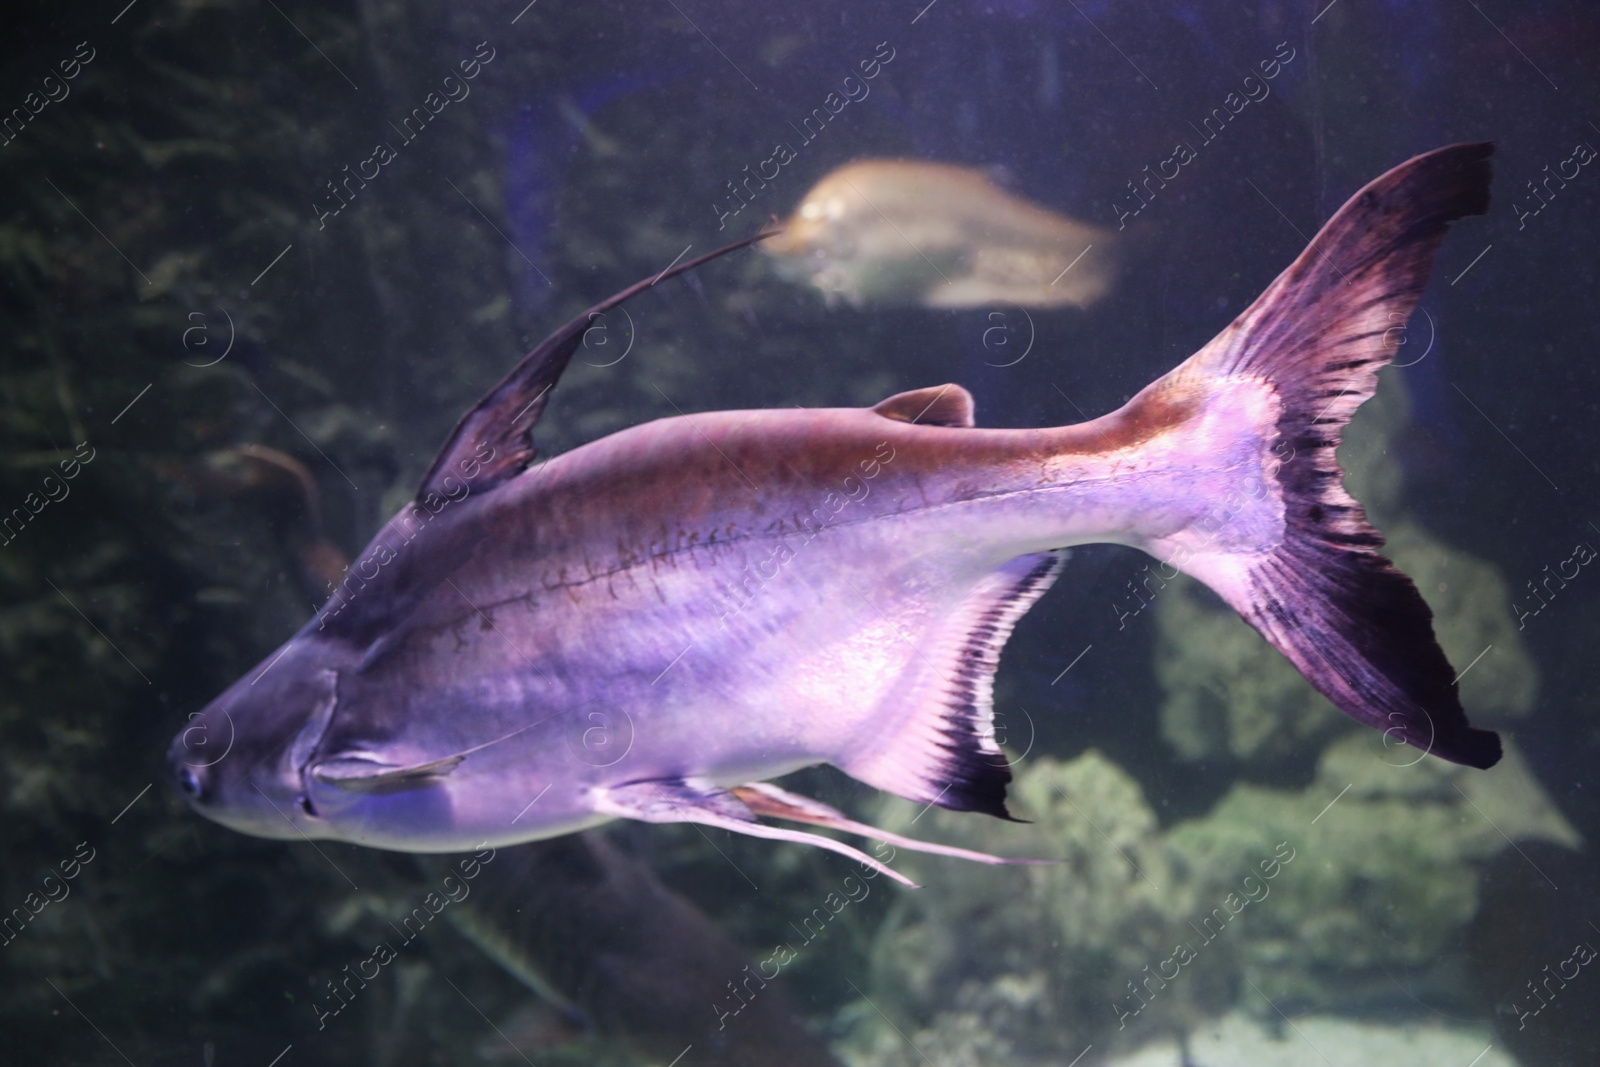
(492,443)
(937,405)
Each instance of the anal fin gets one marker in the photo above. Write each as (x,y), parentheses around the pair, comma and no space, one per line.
(933,741)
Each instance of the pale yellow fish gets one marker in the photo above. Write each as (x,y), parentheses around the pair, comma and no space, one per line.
(893,231)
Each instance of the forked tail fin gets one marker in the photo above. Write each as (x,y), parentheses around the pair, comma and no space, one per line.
(1323,596)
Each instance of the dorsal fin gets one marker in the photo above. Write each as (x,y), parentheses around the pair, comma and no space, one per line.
(492,443)
(937,405)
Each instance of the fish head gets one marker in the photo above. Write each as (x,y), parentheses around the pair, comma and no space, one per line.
(877,232)
(242,759)
(818,225)
(305,747)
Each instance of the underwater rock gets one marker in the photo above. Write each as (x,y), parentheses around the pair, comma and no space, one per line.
(1230,694)
(1240,1041)
(1338,895)
(1473,619)
(1050,947)
(1526,950)
(1386,880)
(982,1028)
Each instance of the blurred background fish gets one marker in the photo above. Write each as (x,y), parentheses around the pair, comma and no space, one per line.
(284,494)
(893,231)
(606,943)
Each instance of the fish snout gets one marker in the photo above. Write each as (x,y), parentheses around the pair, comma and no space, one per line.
(229,783)
(194,780)
(796,238)
(192,758)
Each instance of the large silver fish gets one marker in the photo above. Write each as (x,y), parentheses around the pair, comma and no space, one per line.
(655,624)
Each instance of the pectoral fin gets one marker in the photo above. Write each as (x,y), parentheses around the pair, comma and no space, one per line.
(698,801)
(359,774)
(362,772)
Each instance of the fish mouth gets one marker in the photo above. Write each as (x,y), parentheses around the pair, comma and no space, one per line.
(201,787)
(193,780)
(268,794)
(784,242)
(272,825)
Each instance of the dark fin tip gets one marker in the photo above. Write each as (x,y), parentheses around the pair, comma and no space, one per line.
(979,779)
(1361,633)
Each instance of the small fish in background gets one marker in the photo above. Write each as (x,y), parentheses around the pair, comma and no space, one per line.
(894,231)
(283,490)
(606,943)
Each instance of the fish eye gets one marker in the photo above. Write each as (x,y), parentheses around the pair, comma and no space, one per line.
(190,783)
(306,805)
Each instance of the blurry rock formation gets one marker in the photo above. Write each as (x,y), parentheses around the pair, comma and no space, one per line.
(1346,895)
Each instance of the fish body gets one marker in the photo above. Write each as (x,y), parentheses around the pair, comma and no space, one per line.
(589,577)
(654,625)
(891,231)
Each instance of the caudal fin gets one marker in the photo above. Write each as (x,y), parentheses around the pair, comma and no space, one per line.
(1323,596)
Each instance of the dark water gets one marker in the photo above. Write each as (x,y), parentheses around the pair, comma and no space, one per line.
(190,273)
